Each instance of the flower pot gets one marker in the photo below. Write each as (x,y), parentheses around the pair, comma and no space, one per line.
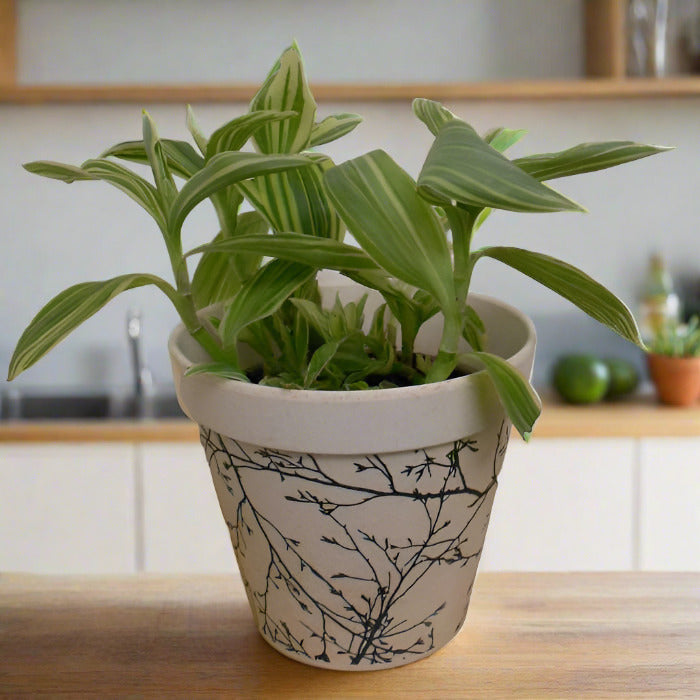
(357,518)
(677,379)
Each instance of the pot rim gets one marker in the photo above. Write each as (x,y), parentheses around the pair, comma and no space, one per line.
(273,417)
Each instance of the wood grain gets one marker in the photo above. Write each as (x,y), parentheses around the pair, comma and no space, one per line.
(594,88)
(527,635)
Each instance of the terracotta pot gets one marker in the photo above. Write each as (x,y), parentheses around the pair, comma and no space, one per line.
(677,379)
(357,518)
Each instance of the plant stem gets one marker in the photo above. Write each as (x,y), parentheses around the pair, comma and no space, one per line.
(462,227)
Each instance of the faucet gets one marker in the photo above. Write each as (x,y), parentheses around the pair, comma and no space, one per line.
(142,377)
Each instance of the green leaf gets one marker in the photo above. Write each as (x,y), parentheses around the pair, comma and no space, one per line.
(315,316)
(156,159)
(397,228)
(319,360)
(193,127)
(585,158)
(216,277)
(262,295)
(181,158)
(502,139)
(220,369)
(296,200)
(58,171)
(321,253)
(462,168)
(130,183)
(221,171)
(432,114)
(233,135)
(520,400)
(68,310)
(285,89)
(572,284)
(333,128)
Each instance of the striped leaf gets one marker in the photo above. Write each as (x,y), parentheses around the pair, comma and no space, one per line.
(285,89)
(432,114)
(157,160)
(321,253)
(67,311)
(233,135)
(461,167)
(221,171)
(520,400)
(296,200)
(397,228)
(220,369)
(130,183)
(585,158)
(502,139)
(262,295)
(182,159)
(572,284)
(319,361)
(217,277)
(193,127)
(58,171)
(333,128)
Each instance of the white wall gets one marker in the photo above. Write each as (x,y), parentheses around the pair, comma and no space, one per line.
(53,235)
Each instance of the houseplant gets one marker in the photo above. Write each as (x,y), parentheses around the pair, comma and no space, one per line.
(674,363)
(354,441)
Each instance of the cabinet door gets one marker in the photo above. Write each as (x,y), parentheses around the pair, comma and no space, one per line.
(67,508)
(183,529)
(563,504)
(670,504)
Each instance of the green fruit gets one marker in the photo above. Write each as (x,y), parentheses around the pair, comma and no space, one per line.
(581,378)
(623,377)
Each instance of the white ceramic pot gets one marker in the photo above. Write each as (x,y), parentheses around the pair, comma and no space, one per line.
(357,518)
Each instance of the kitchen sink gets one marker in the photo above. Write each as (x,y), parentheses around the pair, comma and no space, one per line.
(33,405)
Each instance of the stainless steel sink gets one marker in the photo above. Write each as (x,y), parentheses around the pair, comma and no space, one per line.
(34,405)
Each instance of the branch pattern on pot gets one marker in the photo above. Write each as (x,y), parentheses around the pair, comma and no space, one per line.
(363,567)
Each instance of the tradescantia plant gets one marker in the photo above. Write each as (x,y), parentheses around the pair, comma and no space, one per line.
(255,280)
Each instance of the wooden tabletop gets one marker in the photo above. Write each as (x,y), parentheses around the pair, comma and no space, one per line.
(641,416)
(527,635)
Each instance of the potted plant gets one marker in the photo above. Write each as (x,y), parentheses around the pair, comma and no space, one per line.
(674,363)
(354,431)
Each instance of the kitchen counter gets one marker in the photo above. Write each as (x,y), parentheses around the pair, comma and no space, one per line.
(527,635)
(639,417)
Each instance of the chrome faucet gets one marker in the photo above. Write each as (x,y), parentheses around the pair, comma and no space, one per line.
(143,379)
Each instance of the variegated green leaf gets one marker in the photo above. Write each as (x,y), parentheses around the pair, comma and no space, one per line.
(220,369)
(520,400)
(333,128)
(223,170)
(322,253)
(319,361)
(262,295)
(58,171)
(68,310)
(233,135)
(182,159)
(216,277)
(585,158)
(157,160)
(130,183)
(572,284)
(432,114)
(295,200)
(462,168)
(285,89)
(502,139)
(397,228)
(193,127)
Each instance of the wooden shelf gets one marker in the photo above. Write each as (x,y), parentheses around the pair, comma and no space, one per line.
(590,88)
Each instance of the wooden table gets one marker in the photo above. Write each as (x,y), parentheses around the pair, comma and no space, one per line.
(527,635)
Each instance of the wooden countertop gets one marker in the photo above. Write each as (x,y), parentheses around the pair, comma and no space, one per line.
(527,635)
(633,418)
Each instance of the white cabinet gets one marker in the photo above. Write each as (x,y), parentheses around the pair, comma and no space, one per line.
(563,504)
(669,488)
(183,529)
(67,508)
